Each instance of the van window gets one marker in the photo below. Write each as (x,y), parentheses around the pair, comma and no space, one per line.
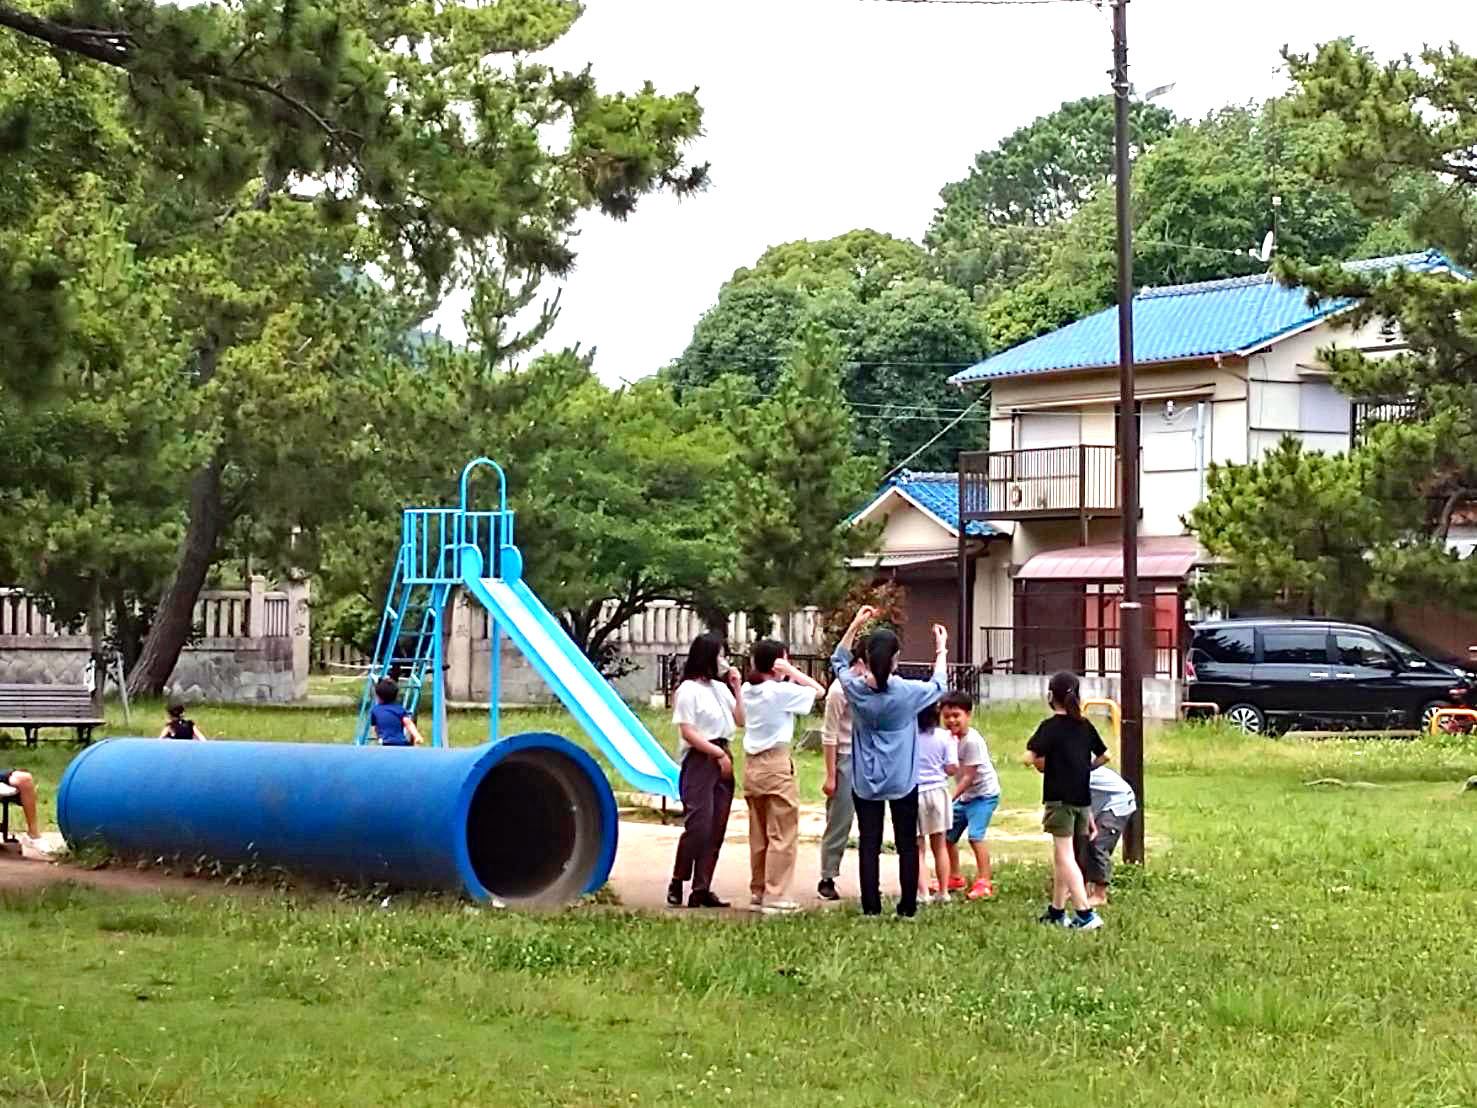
(1295,648)
(1232,646)
(1354,649)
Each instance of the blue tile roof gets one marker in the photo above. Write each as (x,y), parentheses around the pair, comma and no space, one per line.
(1229,316)
(938,495)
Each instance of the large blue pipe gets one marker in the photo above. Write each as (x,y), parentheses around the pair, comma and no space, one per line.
(528,819)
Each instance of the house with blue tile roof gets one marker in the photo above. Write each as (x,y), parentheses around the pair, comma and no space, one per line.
(920,547)
(1225,370)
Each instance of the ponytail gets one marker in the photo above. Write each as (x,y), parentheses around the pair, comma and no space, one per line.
(882,649)
(1065,692)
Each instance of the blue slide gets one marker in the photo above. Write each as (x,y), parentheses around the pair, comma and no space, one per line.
(606,718)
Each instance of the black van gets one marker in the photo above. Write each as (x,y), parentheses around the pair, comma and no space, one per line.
(1273,674)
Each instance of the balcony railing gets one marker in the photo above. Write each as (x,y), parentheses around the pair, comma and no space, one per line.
(1053,482)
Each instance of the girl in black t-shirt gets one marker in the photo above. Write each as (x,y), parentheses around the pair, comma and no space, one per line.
(179,727)
(1065,750)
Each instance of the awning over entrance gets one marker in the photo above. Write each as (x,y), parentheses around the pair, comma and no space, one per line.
(1160,559)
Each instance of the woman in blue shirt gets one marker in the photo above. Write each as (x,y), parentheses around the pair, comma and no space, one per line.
(884,752)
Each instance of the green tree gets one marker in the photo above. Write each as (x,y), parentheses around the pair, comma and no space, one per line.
(1205,196)
(287,147)
(801,481)
(997,223)
(1399,139)
(1289,533)
(900,334)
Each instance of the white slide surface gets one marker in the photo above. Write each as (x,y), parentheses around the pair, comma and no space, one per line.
(605,717)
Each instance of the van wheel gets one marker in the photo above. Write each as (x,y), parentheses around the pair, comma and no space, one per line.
(1247,718)
(1427,713)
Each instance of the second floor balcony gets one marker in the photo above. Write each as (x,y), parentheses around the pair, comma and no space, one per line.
(1052,482)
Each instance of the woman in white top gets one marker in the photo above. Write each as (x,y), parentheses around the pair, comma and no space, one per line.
(776,692)
(706,713)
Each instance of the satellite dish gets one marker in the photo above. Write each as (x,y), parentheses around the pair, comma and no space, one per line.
(1269,244)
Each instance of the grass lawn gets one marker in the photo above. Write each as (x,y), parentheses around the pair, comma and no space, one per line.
(1288,944)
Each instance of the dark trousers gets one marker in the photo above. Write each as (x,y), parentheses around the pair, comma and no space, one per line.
(1095,856)
(869,851)
(706,799)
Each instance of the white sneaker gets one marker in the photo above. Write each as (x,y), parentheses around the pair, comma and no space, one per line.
(779,907)
(756,903)
(33,848)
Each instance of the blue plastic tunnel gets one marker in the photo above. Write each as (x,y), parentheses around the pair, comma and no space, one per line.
(529,819)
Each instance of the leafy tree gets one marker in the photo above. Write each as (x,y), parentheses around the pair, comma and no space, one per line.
(1289,533)
(289,146)
(1400,139)
(900,334)
(998,223)
(1203,200)
(801,481)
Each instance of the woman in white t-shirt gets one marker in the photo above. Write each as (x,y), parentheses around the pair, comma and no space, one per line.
(707,713)
(775,693)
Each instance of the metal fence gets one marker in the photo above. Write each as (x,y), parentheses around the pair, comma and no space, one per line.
(1088,651)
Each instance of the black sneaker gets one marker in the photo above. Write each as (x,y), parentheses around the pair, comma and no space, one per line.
(674,894)
(705,899)
(826,890)
(1054,917)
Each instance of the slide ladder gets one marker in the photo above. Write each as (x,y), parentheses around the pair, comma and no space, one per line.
(407,647)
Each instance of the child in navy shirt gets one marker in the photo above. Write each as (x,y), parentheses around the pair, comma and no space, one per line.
(392,724)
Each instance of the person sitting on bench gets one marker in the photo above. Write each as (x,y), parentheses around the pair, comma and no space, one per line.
(25,789)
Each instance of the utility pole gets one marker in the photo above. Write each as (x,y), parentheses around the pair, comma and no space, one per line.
(1131,613)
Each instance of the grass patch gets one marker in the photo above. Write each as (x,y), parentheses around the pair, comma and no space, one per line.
(1287,945)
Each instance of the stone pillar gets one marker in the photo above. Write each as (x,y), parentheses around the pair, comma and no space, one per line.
(256,608)
(459,649)
(299,622)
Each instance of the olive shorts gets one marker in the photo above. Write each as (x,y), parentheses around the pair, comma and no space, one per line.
(1064,821)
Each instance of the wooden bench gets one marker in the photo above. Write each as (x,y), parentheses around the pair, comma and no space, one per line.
(32,707)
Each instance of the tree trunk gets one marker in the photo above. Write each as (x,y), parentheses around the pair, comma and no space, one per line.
(175,617)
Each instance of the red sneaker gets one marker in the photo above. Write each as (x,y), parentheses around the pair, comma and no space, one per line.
(981,890)
(957,882)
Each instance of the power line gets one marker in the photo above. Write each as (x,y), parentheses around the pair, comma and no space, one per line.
(944,431)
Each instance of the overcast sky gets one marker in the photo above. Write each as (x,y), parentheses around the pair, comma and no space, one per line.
(825,115)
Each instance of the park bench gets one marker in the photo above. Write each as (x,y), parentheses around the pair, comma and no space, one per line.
(32,707)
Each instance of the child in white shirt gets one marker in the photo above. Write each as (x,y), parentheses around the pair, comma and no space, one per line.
(774,694)
(937,760)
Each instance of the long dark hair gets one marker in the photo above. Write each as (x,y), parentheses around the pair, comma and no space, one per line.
(1066,693)
(762,658)
(882,648)
(702,657)
(928,719)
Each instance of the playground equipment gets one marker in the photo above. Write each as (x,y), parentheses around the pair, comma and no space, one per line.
(1115,713)
(529,817)
(1440,717)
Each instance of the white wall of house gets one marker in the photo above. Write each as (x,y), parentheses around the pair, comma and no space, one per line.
(1290,392)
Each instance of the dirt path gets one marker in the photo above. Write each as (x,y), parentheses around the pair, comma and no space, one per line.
(643,867)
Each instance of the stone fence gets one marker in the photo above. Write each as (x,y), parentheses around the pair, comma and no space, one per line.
(249,645)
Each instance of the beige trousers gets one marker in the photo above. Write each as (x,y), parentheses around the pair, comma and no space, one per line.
(774,820)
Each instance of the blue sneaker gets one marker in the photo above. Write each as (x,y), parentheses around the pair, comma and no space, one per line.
(1090,922)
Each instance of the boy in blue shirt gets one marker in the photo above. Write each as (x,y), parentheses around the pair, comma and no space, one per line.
(392,724)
